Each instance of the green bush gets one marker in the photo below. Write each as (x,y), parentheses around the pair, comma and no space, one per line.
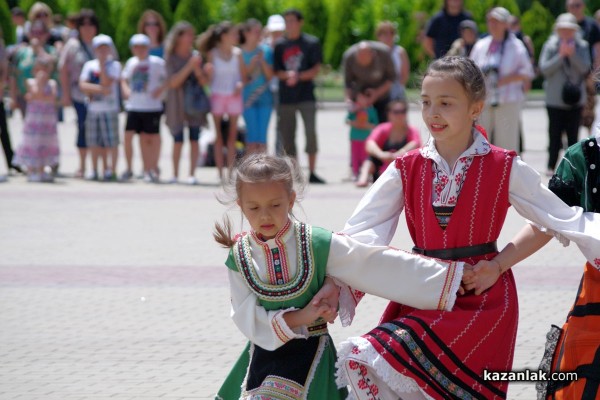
(339,34)
(537,23)
(196,12)
(130,15)
(8,30)
(251,9)
(54,5)
(316,16)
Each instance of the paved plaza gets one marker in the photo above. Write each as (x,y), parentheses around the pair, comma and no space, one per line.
(117,290)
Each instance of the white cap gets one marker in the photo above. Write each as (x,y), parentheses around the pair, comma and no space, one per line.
(100,40)
(276,23)
(566,21)
(499,13)
(139,39)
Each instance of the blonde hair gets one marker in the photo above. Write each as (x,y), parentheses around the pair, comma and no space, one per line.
(37,8)
(257,168)
(161,23)
(385,26)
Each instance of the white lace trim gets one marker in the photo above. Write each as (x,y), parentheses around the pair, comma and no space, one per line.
(563,240)
(347,303)
(298,333)
(376,364)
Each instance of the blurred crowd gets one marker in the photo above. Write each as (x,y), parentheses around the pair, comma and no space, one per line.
(235,76)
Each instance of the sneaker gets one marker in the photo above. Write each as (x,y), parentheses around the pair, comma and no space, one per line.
(109,176)
(34,178)
(16,168)
(192,180)
(47,177)
(154,177)
(173,180)
(92,176)
(127,175)
(315,179)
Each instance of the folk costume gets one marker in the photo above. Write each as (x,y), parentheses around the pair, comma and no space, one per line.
(452,212)
(271,277)
(576,347)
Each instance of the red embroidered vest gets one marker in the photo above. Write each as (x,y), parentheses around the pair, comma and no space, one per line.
(481,208)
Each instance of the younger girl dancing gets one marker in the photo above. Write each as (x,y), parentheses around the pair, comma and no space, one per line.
(276,272)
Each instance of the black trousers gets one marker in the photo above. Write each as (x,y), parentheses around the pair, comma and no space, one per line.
(5,136)
(561,121)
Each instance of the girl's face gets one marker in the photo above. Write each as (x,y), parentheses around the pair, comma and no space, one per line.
(230,38)
(42,73)
(397,114)
(186,39)
(151,27)
(140,51)
(253,34)
(266,205)
(447,111)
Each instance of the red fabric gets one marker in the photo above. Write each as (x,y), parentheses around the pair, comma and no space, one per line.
(446,352)
(382,132)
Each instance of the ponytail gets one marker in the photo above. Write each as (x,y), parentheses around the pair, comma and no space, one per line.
(222,233)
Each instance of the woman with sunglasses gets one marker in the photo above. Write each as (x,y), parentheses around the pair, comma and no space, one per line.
(153,25)
(388,141)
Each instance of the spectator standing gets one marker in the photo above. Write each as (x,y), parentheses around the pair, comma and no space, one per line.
(99,80)
(590,31)
(369,69)
(76,52)
(153,25)
(505,62)
(226,74)
(468,36)
(142,84)
(443,28)
(258,100)
(40,11)
(273,31)
(565,58)
(184,73)
(23,61)
(386,33)
(4,133)
(39,148)
(18,20)
(297,61)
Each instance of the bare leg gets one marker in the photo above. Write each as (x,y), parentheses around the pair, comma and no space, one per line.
(366,169)
(82,156)
(231,139)
(194,154)
(128,147)
(176,157)
(218,147)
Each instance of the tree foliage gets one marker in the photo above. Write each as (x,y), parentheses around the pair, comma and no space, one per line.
(339,33)
(197,12)
(103,11)
(55,5)
(537,23)
(8,29)
(251,9)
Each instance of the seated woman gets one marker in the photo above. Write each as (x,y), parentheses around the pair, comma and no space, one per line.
(388,141)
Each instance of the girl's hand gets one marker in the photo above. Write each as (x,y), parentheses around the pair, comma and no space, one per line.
(485,274)
(312,312)
(329,295)
(468,275)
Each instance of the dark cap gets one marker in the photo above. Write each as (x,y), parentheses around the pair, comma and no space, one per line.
(468,24)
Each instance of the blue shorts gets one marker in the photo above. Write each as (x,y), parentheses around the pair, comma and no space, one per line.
(194,134)
(257,122)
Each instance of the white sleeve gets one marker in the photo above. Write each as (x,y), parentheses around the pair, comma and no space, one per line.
(85,71)
(266,329)
(115,70)
(397,275)
(126,74)
(546,211)
(375,219)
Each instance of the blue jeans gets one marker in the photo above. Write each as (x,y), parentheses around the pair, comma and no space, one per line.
(81,110)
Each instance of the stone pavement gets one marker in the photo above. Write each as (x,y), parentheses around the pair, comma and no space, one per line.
(117,291)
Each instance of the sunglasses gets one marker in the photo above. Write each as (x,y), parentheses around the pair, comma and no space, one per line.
(398,112)
(151,24)
(87,23)
(41,15)
(575,5)
(37,33)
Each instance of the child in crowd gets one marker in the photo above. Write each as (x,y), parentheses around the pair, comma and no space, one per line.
(258,99)
(456,192)
(99,81)
(281,298)
(39,149)
(143,83)
(388,141)
(362,118)
(227,72)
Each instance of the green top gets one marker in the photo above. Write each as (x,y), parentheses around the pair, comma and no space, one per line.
(366,115)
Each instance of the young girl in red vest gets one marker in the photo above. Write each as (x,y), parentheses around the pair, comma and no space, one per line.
(455,191)
(277,272)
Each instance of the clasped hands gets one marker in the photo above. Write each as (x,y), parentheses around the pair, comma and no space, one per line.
(479,277)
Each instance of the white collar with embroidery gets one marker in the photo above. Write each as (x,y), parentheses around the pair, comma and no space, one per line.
(479,147)
(281,236)
(597,132)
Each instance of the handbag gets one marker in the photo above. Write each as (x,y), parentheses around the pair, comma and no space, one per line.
(195,100)
(571,92)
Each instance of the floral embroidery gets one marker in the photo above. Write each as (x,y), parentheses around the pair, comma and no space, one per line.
(353,365)
(355,350)
(597,263)
(362,384)
(374,389)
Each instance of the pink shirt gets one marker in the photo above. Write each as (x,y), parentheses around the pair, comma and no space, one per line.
(381,134)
